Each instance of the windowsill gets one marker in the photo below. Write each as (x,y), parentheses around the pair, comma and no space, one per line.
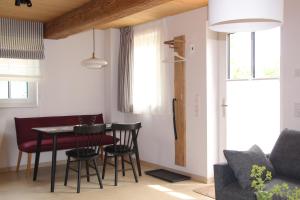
(15,104)
(253,79)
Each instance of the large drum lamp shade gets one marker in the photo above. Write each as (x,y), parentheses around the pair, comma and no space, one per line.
(244,15)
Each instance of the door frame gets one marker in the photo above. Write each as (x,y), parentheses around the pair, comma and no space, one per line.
(223,65)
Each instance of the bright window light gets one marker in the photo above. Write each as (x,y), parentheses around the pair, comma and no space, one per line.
(19,89)
(3,89)
(147,71)
(254,55)
(267,53)
(240,55)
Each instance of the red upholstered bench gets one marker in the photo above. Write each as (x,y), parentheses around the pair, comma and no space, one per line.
(27,138)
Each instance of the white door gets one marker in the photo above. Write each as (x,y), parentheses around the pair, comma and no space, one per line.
(249,91)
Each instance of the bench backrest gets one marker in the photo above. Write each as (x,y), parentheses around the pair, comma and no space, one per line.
(24,125)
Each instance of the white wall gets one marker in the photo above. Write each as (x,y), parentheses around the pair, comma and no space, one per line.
(65,88)
(290,65)
(156,140)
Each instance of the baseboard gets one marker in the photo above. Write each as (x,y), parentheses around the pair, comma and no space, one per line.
(24,167)
(193,176)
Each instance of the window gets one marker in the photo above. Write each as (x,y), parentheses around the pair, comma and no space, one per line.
(18,82)
(254,55)
(147,70)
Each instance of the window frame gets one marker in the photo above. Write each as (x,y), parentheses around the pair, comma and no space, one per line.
(253,67)
(30,101)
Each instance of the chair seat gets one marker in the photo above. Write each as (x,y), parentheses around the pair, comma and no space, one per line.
(65,142)
(82,153)
(120,149)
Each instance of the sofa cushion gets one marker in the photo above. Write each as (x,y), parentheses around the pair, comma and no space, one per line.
(234,191)
(285,155)
(62,143)
(241,163)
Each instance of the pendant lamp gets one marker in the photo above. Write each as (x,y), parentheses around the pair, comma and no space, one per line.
(93,62)
(244,15)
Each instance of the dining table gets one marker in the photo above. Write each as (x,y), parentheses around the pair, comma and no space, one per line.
(55,132)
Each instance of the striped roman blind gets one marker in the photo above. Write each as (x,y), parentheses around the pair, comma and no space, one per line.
(21,39)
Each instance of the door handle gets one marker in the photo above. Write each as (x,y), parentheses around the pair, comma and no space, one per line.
(224,105)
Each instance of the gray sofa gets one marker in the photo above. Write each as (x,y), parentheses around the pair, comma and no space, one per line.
(285,158)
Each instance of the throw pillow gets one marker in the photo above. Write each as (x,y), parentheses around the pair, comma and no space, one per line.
(285,155)
(241,163)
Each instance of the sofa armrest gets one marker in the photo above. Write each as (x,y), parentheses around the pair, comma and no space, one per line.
(223,176)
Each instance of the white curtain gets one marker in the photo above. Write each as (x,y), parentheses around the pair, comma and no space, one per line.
(148,70)
(19,69)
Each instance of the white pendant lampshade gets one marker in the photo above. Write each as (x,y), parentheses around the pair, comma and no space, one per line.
(244,15)
(93,62)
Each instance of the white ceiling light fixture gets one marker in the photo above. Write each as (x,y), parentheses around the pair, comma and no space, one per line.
(93,62)
(244,15)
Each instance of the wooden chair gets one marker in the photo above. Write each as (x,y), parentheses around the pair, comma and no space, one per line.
(124,143)
(87,153)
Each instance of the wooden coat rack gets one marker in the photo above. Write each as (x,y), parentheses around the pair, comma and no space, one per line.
(178,44)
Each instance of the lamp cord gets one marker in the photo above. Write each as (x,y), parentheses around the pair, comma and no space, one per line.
(93,42)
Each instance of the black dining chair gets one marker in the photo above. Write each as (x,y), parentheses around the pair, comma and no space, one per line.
(87,150)
(124,144)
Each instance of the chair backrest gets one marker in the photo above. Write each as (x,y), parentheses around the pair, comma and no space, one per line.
(88,137)
(125,136)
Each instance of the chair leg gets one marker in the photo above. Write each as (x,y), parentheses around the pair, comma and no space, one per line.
(78,176)
(123,166)
(19,161)
(133,168)
(104,165)
(29,162)
(98,175)
(67,171)
(116,170)
(87,171)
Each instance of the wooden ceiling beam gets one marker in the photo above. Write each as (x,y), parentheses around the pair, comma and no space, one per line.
(94,13)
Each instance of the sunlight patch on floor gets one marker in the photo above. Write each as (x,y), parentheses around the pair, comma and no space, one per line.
(170,192)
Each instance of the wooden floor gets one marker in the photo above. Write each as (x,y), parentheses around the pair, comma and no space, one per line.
(20,186)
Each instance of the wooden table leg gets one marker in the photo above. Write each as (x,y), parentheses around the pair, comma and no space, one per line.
(37,155)
(53,167)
